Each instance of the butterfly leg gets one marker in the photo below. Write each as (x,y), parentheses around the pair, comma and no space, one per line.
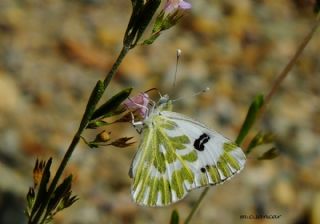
(136,123)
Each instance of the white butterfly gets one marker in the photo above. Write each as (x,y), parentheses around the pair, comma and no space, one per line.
(177,154)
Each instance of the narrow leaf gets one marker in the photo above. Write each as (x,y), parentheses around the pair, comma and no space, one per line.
(145,17)
(316,7)
(151,39)
(260,139)
(270,154)
(92,103)
(97,124)
(90,144)
(67,201)
(112,104)
(136,8)
(38,172)
(43,186)
(174,217)
(30,201)
(136,4)
(250,118)
(122,142)
(59,193)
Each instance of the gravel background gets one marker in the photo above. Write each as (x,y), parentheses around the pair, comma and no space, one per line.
(53,51)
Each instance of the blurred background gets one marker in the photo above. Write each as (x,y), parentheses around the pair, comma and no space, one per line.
(52,52)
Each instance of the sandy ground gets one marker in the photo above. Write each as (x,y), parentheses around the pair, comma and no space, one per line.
(52,53)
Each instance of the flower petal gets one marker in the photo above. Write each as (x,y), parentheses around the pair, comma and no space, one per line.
(184,5)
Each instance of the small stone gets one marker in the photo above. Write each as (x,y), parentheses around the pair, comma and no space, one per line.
(284,193)
(9,90)
(315,209)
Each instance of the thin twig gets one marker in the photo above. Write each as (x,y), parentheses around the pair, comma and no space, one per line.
(284,73)
(196,206)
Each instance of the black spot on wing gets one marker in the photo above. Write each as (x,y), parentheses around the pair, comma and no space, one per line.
(201,141)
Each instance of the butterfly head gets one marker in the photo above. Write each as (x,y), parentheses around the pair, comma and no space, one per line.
(164,103)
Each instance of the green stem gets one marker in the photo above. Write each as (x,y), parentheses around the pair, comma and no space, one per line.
(38,214)
(196,206)
(283,74)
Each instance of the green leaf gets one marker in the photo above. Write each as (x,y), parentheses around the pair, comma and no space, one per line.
(122,142)
(149,9)
(158,22)
(140,18)
(112,104)
(270,154)
(97,124)
(92,103)
(260,139)
(250,118)
(90,144)
(59,193)
(174,217)
(131,30)
(67,201)
(43,186)
(162,23)
(171,20)
(316,8)
(136,4)
(93,145)
(30,201)
(151,39)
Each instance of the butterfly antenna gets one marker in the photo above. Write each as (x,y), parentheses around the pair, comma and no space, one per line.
(152,89)
(177,64)
(193,95)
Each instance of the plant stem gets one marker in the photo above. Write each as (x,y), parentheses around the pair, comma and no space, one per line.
(283,74)
(196,206)
(75,140)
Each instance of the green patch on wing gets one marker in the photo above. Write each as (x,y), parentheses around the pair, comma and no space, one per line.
(223,166)
(170,125)
(214,173)
(178,178)
(227,165)
(159,185)
(229,146)
(179,142)
(227,158)
(159,151)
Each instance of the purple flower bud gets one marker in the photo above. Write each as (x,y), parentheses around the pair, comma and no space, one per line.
(138,103)
(172,5)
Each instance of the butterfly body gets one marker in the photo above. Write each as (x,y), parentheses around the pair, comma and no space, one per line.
(177,154)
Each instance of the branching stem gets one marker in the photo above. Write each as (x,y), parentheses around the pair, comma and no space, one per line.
(38,216)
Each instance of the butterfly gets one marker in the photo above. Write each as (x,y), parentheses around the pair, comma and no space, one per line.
(177,154)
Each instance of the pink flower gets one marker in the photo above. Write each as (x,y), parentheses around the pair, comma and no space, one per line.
(172,5)
(138,103)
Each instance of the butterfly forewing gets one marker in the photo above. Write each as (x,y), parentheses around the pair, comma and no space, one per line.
(178,154)
(218,158)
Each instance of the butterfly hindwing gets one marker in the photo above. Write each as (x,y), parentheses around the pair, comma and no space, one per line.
(218,158)
(178,154)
